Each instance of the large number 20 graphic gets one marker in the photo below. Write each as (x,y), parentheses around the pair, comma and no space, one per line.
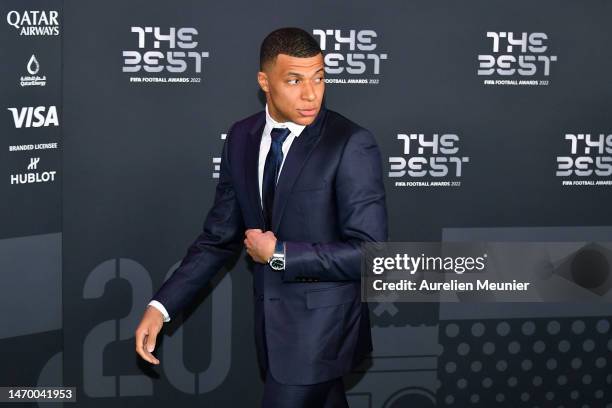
(98,385)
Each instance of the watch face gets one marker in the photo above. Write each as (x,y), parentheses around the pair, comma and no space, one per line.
(277,264)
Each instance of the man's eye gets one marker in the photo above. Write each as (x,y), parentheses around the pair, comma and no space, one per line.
(293,81)
(320,79)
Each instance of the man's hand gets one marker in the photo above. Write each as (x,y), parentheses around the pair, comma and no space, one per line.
(146,333)
(260,245)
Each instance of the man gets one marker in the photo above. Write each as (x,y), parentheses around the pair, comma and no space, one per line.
(301,187)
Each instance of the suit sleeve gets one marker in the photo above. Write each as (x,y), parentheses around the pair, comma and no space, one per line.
(362,213)
(220,239)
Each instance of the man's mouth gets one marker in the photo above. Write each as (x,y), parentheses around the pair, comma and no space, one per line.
(307,112)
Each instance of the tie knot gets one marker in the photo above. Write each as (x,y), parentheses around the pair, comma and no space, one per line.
(279,135)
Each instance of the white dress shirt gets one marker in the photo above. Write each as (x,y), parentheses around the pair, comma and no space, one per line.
(264,147)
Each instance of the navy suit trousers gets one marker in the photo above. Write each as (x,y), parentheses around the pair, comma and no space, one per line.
(327,394)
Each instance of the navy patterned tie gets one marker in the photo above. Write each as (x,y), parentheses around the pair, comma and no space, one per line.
(274,159)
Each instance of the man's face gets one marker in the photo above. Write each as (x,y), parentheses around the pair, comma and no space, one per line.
(294,88)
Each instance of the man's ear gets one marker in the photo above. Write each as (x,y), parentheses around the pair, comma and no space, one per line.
(262,78)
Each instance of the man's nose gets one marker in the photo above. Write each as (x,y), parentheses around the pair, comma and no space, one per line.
(308,91)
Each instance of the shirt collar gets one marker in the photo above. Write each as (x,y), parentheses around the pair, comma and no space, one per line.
(292,126)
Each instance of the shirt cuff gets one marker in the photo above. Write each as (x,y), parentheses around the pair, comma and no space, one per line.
(161,308)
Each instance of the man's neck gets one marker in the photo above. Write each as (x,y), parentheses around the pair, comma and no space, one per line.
(295,128)
(274,115)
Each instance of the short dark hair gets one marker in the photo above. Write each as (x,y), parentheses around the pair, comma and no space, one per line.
(291,41)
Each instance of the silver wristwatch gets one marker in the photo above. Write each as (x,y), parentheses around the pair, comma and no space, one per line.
(277,260)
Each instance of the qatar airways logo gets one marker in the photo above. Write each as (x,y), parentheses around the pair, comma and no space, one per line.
(588,160)
(161,54)
(428,161)
(352,56)
(516,59)
(34,22)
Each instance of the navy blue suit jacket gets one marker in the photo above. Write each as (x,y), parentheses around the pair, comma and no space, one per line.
(329,199)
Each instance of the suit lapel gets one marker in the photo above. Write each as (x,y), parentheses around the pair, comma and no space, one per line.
(251,166)
(300,149)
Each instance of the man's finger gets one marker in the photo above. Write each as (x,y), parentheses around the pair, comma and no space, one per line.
(149,357)
(252,231)
(145,331)
(150,342)
(141,336)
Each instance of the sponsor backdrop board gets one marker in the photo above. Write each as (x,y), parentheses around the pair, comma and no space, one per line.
(493,122)
(31,334)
